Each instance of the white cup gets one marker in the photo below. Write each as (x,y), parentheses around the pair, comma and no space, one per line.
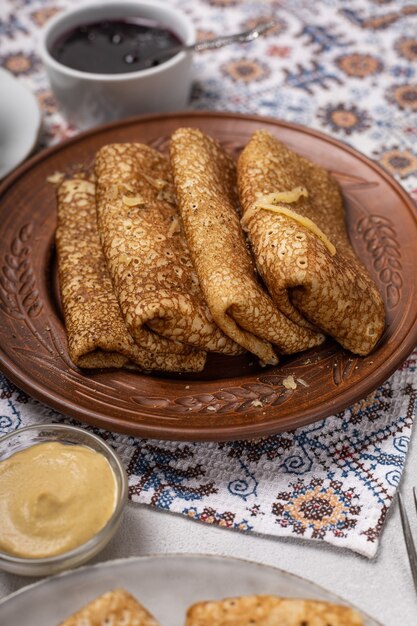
(89,99)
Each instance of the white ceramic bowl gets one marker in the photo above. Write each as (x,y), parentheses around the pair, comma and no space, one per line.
(89,99)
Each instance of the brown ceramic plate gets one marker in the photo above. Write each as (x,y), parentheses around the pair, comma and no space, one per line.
(233,398)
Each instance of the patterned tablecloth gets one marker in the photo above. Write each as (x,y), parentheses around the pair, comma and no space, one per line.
(348,68)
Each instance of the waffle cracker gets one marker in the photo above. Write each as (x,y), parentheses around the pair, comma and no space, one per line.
(270,611)
(115,608)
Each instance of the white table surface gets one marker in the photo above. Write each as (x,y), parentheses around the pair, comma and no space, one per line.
(382,586)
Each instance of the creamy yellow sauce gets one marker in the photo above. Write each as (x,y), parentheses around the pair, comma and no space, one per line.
(53,498)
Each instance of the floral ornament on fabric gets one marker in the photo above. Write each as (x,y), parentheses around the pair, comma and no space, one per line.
(402,163)
(20,63)
(407,48)
(345,119)
(41,16)
(245,71)
(317,508)
(359,65)
(404,96)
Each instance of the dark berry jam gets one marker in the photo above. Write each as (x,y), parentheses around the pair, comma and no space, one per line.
(114,46)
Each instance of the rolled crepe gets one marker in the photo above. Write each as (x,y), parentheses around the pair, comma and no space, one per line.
(295,219)
(146,252)
(97,335)
(205,183)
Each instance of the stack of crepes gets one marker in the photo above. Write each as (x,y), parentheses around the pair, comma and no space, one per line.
(155,269)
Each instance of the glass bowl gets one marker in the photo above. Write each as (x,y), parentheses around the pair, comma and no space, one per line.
(61,433)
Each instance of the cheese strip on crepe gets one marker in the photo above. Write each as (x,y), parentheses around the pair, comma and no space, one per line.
(146,251)
(115,608)
(295,219)
(270,611)
(205,184)
(97,334)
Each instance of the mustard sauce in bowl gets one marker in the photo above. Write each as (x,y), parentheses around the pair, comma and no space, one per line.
(53,498)
(62,494)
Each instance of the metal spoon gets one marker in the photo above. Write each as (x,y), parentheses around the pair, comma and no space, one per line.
(209,44)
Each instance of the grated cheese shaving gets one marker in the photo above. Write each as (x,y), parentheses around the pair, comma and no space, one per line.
(167,196)
(55,178)
(158,183)
(288,197)
(256,403)
(133,200)
(289,383)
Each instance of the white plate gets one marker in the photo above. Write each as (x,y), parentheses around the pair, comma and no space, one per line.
(20,120)
(166,584)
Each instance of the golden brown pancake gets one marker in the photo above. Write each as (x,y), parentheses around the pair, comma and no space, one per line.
(205,184)
(302,251)
(270,611)
(115,608)
(97,334)
(146,252)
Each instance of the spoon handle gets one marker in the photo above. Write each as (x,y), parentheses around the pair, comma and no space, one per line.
(218,42)
(208,44)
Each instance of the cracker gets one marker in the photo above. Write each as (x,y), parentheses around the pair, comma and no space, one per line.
(114,608)
(266,610)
